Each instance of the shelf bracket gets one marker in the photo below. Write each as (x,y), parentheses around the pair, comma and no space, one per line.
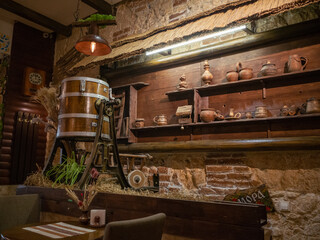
(264,91)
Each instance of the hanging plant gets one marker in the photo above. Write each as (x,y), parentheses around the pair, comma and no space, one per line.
(97,17)
(101,20)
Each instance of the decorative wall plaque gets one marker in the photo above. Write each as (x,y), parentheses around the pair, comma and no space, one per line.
(34,79)
(258,195)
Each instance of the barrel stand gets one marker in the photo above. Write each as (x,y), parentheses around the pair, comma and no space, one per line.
(101,148)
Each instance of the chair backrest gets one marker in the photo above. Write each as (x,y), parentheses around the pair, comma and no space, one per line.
(18,210)
(147,228)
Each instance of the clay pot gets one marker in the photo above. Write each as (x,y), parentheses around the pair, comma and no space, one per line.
(139,122)
(160,120)
(207,76)
(268,69)
(284,111)
(232,76)
(261,112)
(207,115)
(244,73)
(296,63)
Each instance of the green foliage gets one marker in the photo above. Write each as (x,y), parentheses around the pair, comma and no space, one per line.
(97,17)
(68,172)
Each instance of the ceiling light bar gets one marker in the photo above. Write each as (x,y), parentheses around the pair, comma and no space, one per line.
(216,34)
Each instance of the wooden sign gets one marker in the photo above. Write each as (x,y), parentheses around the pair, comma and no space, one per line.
(258,195)
(34,79)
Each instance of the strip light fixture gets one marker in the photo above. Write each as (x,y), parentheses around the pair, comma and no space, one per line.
(216,34)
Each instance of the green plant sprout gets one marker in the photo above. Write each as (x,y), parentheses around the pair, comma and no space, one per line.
(68,172)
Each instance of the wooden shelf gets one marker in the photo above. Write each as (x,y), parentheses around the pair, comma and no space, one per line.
(280,80)
(315,116)
(137,85)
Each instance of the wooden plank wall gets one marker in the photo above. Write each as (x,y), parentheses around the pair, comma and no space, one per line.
(191,219)
(152,100)
(29,48)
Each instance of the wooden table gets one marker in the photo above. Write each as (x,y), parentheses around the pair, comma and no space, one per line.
(18,233)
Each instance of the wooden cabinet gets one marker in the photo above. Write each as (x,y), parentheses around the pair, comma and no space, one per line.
(200,97)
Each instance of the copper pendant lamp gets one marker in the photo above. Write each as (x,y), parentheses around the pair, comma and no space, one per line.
(92,44)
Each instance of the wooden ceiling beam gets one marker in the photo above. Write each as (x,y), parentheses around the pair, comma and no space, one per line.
(35,17)
(100,5)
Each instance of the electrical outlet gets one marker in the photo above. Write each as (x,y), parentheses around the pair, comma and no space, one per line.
(284,206)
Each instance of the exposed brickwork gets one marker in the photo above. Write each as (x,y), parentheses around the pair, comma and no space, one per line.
(162,170)
(163,177)
(241,169)
(218,168)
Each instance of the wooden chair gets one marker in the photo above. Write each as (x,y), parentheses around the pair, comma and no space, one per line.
(19,210)
(147,228)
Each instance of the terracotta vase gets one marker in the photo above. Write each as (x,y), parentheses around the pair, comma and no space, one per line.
(207,115)
(297,63)
(207,76)
(232,76)
(84,218)
(244,73)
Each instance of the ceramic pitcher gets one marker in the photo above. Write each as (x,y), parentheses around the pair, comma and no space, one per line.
(296,63)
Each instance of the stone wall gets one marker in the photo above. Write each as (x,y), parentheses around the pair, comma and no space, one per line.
(292,179)
(138,16)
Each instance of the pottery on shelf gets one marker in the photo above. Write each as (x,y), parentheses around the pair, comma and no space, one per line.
(138,123)
(183,83)
(284,111)
(261,112)
(207,115)
(160,120)
(244,73)
(296,63)
(232,76)
(207,76)
(268,69)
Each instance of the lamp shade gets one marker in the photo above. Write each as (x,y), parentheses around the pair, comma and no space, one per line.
(94,45)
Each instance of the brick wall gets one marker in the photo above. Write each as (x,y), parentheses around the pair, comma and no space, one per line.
(292,179)
(222,174)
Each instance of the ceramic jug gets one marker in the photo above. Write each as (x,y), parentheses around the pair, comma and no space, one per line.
(244,73)
(160,120)
(296,63)
(207,114)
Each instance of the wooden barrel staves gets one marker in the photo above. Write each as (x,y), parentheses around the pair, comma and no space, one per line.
(78,116)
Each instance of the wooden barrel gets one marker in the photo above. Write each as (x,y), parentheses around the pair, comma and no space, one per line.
(78,117)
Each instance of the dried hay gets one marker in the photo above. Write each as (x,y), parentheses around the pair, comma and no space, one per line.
(107,184)
(48,98)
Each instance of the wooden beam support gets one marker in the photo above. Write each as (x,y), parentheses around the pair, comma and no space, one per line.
(35,17)
(262,144)
(217,50)
(100,5)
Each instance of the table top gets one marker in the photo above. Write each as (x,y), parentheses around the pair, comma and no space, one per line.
(18,233)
